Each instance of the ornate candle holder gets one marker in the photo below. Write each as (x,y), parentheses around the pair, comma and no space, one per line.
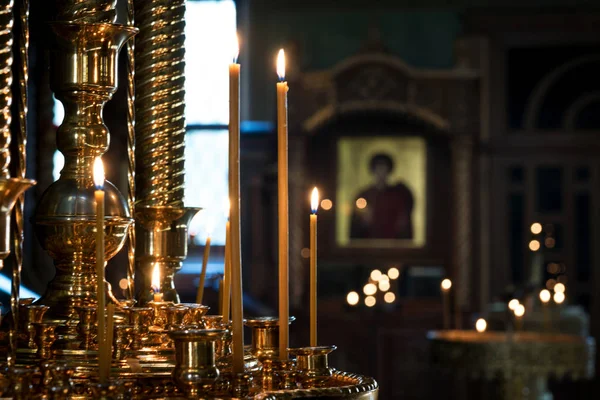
(44,338)
(29,315)
(10,190)
(84,77)
(265,336)
(195,315)
(312,366)
(162,241)
(195,365)
(140,318)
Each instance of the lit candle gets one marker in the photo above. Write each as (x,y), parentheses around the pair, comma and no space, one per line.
(283,208)
(226,297)
(545,297)
(100,292)
(446,285)
(200,294)
(237,303)
(158,296)
(519,312)
(314,205)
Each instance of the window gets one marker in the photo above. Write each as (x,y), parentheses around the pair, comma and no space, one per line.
(210,32)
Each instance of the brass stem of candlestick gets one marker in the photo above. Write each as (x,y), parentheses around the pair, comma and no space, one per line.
(84,59)
(312,366)
(162,241)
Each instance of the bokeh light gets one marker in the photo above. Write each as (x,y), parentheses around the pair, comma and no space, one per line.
(520,311)
(370,289)
(375,275)
(545,295)
(393,273)
(384,286)
(361,203)
(481,325)
(352,298)
(534,245)
(389,297)
(370,301)
(446,284)
(513,304)
(559,297)
(559,288)
(326,204)
(536,228)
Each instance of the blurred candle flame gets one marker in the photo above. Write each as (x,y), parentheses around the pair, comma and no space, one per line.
(281,65)
(314,200)
(156,279)
(98,173)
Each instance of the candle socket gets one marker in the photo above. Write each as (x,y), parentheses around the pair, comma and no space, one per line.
(195,364)
(86,329)
(195,315)
(21,383)
(32,313)
(44,338)
(56,380)
(139,318)
(312,366)
(162,241)
(265,336)
(122,340)
(241,385)
(113,389)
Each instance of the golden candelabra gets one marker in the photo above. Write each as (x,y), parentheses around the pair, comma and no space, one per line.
(161,348)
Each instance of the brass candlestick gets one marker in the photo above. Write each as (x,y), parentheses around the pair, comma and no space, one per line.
(195,366)
(162,242)
(312,366)
(265,336)
(84,77)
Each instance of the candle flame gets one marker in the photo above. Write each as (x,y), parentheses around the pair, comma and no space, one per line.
(314,200)
(156,279)
(236,47)
(281,65)
(98,173)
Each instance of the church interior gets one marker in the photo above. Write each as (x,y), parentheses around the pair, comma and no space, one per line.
(451,142)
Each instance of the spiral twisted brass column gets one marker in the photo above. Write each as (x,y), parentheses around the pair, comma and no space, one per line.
(159,103)
(160,142)
(6,40)
(21,161)
(86,11)
(131,149)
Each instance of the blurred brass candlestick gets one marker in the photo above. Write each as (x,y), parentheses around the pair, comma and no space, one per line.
(162,242)
(195,365)
(84,59)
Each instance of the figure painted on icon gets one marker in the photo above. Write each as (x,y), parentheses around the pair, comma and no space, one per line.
(383,210)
